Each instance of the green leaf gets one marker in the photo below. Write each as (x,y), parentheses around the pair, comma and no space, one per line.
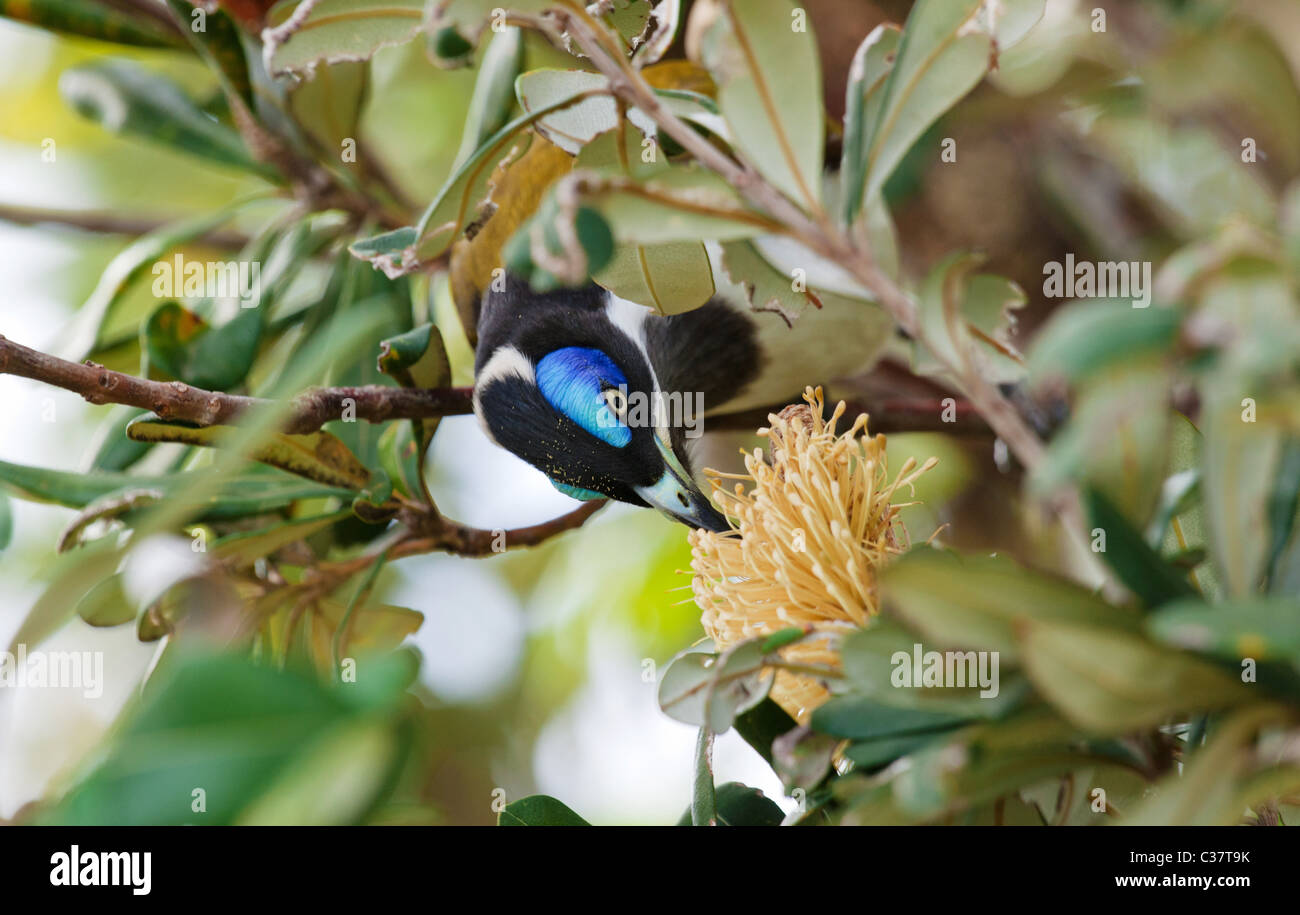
(6,521)
(710,691)
(704,801)
(740,805)
(880,751)
(220,44)
(111,508)
(1264,628)
(455,204)
(92,19)
(124,98)
(682,204)
(763,724)
(106,603)
(966,320)
(134,261)
(317,456)
(1239,465)
(243,548)
(866,719)
(943,54)
(401,455)
(179,345)
(767,288)
(1117,440)
(1112,682)
(416,359)
(980,764)
(328,105)
(982,603)
(670,278)
(667,15)
(344,30)
(360,628)
(879,662)
(1139,567)
(494,90)
(231,728)
(235,496)
(1081,339)
(781,638)
(468,19)
(1195,182)
(872,64)
(803,759)
(539,810)
(116,451)
(768,73)
(629,18)
(1282,507)
(570,126)
(392,252)
(338,780)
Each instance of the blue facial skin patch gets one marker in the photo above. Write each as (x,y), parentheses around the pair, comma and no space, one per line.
(572,381)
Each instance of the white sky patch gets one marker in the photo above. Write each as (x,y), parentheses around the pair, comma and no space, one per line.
(473,633)
(636,766)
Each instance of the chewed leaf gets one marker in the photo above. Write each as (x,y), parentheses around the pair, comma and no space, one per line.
(966,319)
(466,20)
(573,127)
(344,30)
(392,252)
(767,287)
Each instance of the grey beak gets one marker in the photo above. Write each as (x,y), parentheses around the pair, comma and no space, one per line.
(676,495)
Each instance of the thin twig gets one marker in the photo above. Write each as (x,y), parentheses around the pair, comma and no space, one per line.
(454,537)
(111,224)
(444,535)
(175,400)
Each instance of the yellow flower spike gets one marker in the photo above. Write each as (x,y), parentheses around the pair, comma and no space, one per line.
(809,536)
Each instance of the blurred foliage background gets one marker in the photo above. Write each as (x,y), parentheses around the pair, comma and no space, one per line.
(528,672)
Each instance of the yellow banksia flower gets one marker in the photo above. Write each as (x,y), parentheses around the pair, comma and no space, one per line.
(812,526)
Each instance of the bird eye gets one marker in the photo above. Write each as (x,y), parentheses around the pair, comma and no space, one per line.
(616,400)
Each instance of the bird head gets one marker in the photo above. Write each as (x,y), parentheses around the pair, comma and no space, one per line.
(565,384)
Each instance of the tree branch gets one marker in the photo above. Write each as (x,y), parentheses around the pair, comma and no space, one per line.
(175,400)
(110,223)
(439,534)
(454,537)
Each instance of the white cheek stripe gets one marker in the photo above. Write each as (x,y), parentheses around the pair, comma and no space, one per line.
(505,362)
(630,318)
